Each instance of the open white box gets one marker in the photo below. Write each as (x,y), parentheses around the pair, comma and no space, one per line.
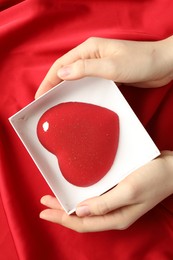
(135,148)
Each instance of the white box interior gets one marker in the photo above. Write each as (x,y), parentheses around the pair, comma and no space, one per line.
(135,148)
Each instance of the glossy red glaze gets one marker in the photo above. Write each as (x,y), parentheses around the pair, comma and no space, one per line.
(84,137)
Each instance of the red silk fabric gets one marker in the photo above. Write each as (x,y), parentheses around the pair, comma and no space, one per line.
(33,34)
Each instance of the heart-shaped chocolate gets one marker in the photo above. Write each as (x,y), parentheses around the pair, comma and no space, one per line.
(84,137)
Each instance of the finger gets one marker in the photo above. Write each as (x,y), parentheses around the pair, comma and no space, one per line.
(51,79)
(87,224)
(62,218)
(50,202)
(117,220)
(119,196)
(89,67)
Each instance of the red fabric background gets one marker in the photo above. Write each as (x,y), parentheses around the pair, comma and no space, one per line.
(33,33)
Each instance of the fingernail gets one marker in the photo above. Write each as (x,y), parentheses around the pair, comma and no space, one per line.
(83,211)
(43,200)
(41,215)
(64,72)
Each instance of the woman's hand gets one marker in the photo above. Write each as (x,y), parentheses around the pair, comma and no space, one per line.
(143,64)
(123,205)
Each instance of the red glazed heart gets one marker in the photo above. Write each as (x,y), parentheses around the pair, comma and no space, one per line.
(84,137)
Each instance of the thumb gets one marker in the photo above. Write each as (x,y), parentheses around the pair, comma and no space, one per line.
(109,201)
(88,67)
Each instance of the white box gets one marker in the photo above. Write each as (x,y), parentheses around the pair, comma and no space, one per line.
(135,148)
